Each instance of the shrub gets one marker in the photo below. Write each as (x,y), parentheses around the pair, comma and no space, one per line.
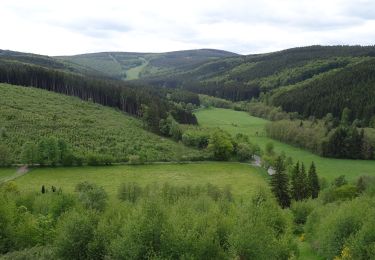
(345,192)
(221,145)
(92,196)
(129,192)
(93,160)
(244,152)
(75,232)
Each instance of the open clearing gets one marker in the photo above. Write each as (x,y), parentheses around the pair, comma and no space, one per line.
(241,122)
(242,178)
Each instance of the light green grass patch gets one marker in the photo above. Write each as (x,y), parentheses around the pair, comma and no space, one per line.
(5,173)
(241,122)
(242,178)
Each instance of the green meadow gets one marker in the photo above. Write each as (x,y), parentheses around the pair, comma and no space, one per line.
(242,178)
(241,122)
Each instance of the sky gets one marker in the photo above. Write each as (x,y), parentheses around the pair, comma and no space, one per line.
(67,27)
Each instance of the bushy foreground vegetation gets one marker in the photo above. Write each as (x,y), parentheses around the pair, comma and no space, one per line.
(195,222)
(33,122)
(339,225)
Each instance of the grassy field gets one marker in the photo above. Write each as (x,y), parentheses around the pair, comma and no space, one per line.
(5,173)
(242,178)
(133,73)
(241,122)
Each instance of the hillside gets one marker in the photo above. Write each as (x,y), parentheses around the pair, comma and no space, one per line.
(28,114)
(13,57)
(244,77)
(334,77)
(132,65)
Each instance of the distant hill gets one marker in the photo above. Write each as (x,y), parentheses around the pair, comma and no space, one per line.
(30,114)
(7,56)
(132,65)
(313,80)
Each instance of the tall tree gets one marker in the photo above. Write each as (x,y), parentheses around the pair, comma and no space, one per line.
(313,181)
(294,181)
(280,184)
(299,189)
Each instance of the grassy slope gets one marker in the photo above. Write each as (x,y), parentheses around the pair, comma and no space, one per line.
(27,114)
(241,122)
(135,65)
(241,177)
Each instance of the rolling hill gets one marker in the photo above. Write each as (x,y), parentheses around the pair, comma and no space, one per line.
(132,65)
(29,114)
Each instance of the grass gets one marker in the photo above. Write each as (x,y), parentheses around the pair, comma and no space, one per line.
(241,122)
(133,73)
(28,114)
(5,173)
(242,178)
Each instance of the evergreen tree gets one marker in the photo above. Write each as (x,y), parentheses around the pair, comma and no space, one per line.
(300,190)
(303,183)
(313,181)
(280,184)
(345,116)
(294,181)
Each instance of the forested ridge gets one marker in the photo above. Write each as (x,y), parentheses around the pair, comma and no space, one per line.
(351,87)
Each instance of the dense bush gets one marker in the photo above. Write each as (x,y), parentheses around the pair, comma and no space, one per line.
(91,196)
(220,144)
(196,137)
(167,222)
(343,230)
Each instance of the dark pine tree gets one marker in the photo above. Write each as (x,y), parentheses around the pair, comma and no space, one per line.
(299,183)
(303,184)
(313,181)
(294,181)
(280,184)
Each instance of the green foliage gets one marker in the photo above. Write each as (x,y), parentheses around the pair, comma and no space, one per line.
(135,160)
(280,184)
(313,182)
(343,230)
(75,232)
(174,222)
(299,183)
(129,192)
(196,137)
(236,122)
(209,101)
(220,144)
(86,128)
(333,93)
(91,196)
(5,158)
(344,192)
(340,181)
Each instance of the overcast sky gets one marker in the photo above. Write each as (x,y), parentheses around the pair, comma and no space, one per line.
(66,27)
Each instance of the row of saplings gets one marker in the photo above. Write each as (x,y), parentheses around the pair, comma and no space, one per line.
(337,219)
(51,151)
(151,222)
